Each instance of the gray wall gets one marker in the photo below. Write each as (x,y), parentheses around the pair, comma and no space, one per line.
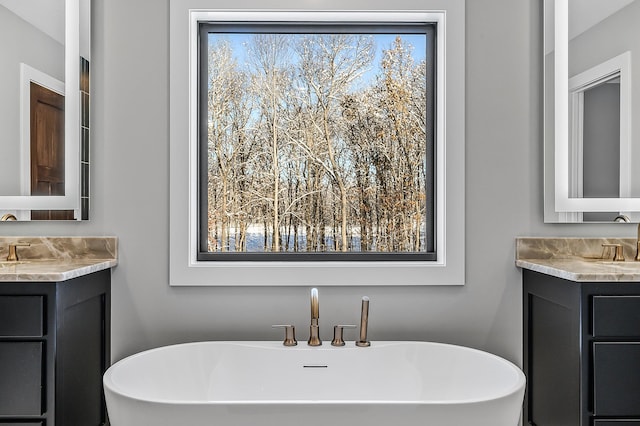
(130,179)
(601,149)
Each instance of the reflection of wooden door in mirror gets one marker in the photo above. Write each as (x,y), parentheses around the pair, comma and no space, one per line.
(47,149)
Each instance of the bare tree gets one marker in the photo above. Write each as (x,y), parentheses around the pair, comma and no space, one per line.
(305,139)
(329,64)
(403,103)
(269,57)
(222,89)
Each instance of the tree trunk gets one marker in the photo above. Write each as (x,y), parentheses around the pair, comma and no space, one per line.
(338,178)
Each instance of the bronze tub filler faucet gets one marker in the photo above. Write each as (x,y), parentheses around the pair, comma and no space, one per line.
(314,327)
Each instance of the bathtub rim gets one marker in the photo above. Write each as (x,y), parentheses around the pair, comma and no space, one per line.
(277,345)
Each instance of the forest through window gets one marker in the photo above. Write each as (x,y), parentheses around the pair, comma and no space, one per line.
(317,139)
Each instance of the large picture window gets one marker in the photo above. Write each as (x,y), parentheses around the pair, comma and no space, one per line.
(317,141)
(367,186)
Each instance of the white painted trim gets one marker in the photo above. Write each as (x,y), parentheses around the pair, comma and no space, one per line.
(186,270)
(197,16)
(576,158)
(576,175)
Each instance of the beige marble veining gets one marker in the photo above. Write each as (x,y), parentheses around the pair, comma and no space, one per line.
(57,258)
(577,259)
(549,248)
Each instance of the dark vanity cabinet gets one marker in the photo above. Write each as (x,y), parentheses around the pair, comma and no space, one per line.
(54,349)
(581,352)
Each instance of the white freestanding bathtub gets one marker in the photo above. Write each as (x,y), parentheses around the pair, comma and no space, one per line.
(267,384)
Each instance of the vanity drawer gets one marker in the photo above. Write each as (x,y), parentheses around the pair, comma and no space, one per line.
(21,385)
(616,316)
(616,379)
(12,423)
(21,316)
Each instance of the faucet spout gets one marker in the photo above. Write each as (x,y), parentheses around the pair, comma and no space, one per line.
(315,308)
(314,328)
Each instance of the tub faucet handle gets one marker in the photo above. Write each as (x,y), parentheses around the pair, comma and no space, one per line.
(338,332)
(363,342)
(289,334)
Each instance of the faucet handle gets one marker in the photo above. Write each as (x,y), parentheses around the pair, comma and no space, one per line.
(638,244)
(619,252)
(13,251)
(338,332)
(289,334)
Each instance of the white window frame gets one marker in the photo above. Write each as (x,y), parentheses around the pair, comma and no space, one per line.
(186,270)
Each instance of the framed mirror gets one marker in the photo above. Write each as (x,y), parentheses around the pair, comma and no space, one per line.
(591,100)
(44,110)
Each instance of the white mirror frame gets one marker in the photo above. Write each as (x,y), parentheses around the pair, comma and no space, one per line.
(564,203)
(71,199)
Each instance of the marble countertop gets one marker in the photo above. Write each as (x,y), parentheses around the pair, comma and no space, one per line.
(584,269)
(52,269)
(577,259)
(54,259)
